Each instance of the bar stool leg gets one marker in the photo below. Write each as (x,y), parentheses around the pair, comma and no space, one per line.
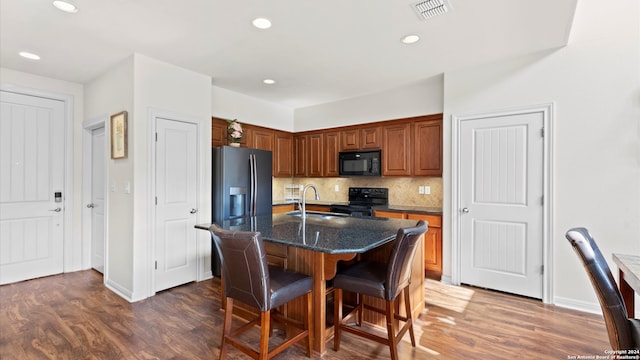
(226,330)
(265,321)
(391,329)
(407,302)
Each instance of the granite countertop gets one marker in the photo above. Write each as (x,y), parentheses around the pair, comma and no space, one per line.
(324,232)
(409,208)
(312,202)
(416,209)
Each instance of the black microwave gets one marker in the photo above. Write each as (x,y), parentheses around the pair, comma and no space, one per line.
(359,163)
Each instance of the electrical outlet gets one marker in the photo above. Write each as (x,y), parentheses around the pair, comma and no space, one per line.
(421,190)
(427,190)
(336,188)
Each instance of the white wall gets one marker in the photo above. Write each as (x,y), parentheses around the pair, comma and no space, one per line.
(227,104)
(163,87)
(108,94)
(420,98)
(595,85)
(73,91)
(143,86)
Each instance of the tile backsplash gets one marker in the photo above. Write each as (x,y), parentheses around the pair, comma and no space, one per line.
(402,190)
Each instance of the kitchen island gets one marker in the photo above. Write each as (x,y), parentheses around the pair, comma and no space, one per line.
(315,245)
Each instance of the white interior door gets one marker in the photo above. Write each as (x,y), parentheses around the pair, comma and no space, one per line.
(501,189)
(176,198)
(32,183)
(97,204)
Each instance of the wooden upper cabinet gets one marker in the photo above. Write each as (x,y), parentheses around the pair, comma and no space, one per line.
(357,138)
(350,139)
(218,132)
(396,149)
(427,148)
(331,150)
(371,137)
(300,155)
(283,154)
(262,139)
(410,146)
(315,155)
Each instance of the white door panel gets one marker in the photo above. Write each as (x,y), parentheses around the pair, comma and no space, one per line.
(31,172)
(97,198)
(501,188)
(176,181)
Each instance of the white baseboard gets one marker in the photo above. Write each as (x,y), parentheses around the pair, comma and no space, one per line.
(119,290)
(593,308)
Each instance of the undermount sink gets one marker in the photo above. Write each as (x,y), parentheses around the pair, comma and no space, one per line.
(319,215)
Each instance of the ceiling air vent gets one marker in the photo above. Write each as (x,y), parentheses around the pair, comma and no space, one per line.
(430,8)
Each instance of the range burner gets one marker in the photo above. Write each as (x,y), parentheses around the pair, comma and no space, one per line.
(362,201)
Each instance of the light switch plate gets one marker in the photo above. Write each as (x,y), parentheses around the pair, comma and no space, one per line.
(427,190)
(421,190)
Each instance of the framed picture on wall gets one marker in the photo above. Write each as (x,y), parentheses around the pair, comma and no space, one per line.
(119,135)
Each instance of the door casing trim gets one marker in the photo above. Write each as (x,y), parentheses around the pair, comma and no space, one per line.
(547,111)
(87,145)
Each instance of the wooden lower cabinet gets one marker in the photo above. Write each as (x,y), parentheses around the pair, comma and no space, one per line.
(390,214)
(432,244)
(432,239)
(321,208)
(283,208)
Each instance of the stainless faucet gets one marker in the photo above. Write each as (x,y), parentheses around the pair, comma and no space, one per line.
(303,205)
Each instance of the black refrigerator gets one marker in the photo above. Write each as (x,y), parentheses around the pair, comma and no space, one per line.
(241,187)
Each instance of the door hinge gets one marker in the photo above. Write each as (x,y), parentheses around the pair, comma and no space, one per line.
(156,265)
(542,132)
(542,269)
(156,137)
(542,200)
(156,200)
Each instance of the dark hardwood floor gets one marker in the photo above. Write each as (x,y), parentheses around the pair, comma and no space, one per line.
(73,316)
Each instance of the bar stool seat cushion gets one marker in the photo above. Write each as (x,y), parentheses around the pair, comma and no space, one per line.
(366,278)
(287,285)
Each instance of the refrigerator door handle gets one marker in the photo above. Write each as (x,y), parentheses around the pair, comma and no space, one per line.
(255,185)
(252,189)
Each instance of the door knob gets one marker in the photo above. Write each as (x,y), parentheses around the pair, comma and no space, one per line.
(56,209)
(465,210)
(91,206)
(193,211)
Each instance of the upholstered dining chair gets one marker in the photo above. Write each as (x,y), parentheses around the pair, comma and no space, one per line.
(624,333)
(249,279)
(383,281)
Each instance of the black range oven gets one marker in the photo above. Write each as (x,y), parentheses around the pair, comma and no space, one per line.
(362,201)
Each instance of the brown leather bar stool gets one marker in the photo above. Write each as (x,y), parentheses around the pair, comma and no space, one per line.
(383,281)
(624,333)
(247,278)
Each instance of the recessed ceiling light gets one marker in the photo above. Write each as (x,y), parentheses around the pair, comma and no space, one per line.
(65,6)
(28,55)
(410,39)
(262,23)
(269,81)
